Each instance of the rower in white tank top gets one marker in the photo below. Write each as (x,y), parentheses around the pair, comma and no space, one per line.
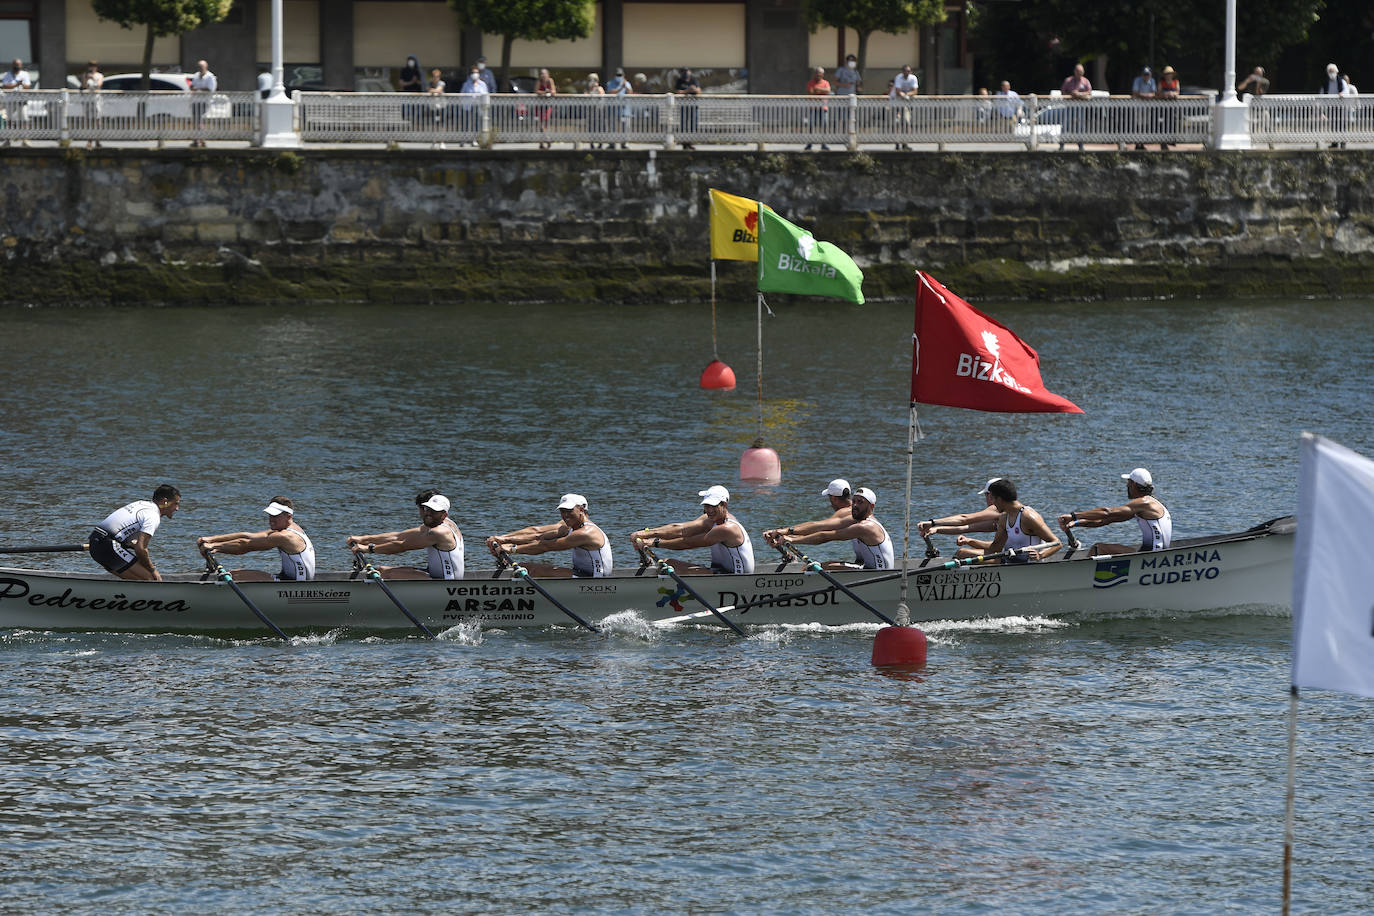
(447,564)
(737,560)
(874,557)
(1016,538)
(588,563)
(298,567)
(1156,533)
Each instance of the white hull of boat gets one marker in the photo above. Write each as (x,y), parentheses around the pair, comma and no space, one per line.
(1253,568)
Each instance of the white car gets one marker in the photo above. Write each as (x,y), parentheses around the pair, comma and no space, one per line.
(169,96)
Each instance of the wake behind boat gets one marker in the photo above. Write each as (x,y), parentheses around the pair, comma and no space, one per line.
(1250,568)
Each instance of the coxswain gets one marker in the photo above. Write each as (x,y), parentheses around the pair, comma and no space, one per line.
(1018,527)
(870,540)
(284,534)
(837,492)
(1156,526)
(575,532)
(437,535)
(120,543)
(731,549)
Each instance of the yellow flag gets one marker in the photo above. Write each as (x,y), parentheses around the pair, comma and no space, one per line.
(734,227)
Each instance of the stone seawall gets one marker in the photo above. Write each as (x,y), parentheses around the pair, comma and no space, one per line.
(176,226)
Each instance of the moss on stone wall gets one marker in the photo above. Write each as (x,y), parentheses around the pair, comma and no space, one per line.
(130,226)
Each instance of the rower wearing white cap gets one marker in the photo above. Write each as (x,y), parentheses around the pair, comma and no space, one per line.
(838,493)
(1156,525)
(984,519)
(284,534)
(731,549)
(437,535)
(870,540)
(591,549)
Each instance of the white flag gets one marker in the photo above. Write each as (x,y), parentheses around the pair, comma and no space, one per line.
(1333,570)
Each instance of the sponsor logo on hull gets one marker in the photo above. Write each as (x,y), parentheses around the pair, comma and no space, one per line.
(1111,572)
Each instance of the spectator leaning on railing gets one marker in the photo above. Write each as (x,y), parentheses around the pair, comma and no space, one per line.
(1008,103)
(1143,87)
(905,87)
(1168,90)
(687,86)
(202,81)
(816,117)
(1255,84)
(1077,88)
(619,87)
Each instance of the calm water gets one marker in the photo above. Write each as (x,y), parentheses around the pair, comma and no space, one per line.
(1036,766)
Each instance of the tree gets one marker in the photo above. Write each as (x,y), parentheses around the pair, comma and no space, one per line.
(894,17)
(1125,32)
(527,20)
(162,18)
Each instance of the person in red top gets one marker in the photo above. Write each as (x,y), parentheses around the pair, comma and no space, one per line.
(1168,89)
(1078,88)
(545,88)
(818,117)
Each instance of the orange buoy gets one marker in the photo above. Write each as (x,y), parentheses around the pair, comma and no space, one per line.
(899,646)
(760,464)
(718,376)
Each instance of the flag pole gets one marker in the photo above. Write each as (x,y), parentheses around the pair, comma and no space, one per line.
(903,610)
(760,361)
(1288,813)
(715,354)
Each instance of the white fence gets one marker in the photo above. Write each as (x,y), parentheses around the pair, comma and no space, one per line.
(1318,119)
(93,116)
(669,121)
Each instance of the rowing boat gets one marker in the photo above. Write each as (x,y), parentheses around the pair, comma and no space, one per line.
(1246,569)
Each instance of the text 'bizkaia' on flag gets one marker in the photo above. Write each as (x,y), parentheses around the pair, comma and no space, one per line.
(734,227)
(792,261)
(1333,593)
(963,358)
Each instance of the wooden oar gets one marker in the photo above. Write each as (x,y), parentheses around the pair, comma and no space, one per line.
(813,566)
(370,572)
(665,567)
(223,575)
(519,572)
(46,548)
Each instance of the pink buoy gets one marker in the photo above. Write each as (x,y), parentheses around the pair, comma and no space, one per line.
(718,376)
(905,646)
(760,464)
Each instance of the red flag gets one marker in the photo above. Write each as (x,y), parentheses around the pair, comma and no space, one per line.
(962,358)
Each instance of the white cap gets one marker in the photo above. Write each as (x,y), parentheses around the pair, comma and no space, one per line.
(437,503)
(572,501)
(867,494)
(714,496)
(275,508)
(837,487)
(988,486)
(1139,476)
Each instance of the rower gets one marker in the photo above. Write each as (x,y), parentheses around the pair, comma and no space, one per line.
(872,545)
(731,549)
(284,534)
(591,549)
(837,492)
(120,542)
(1018,527)
(437,535)
(1156,525)
(984,519)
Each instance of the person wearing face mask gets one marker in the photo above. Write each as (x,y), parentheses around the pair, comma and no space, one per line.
(848,79)
(474,85)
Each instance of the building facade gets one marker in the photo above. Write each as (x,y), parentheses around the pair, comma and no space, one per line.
(756,46)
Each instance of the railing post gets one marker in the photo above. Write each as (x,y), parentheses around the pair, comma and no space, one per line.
(64,133)
(484,122)
(852,140)
(668,142)
(1034,112)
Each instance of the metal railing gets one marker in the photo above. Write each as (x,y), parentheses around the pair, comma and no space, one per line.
(1317,119)
(670,121)
(93,116)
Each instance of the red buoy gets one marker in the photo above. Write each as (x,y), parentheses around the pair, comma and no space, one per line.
(760,464)
(904,646)
(718,376)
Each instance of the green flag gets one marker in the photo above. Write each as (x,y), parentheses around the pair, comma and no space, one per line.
(792,261)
